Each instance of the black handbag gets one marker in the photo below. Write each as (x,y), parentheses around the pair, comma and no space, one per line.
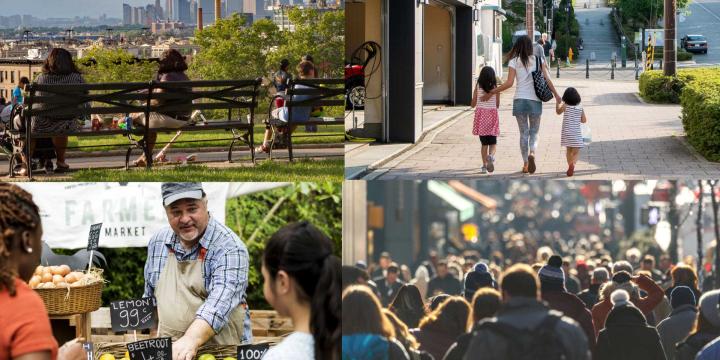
(541,87)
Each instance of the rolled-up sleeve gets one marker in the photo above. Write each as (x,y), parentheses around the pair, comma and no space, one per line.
(152,264)
(228,282)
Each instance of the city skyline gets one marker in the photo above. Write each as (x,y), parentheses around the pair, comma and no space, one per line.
(71,8)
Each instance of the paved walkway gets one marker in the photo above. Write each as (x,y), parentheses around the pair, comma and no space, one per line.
(597,33)
(632,140)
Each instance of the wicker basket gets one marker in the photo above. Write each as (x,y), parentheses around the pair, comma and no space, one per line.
(73,300)
(118,350)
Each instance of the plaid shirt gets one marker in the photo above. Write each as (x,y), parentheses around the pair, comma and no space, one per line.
(225,271)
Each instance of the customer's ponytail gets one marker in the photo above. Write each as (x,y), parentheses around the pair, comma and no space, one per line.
(306,254)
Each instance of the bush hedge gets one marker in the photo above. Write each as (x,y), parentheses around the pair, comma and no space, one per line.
(658,88)
(700,102)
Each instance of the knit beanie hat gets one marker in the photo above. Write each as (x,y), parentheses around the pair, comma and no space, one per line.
(551,275)
(682,295)
(476,279)
(480,267)
(619,297)
(709,307)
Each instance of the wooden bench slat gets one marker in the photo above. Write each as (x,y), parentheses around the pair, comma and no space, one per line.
(307,103)
(317,81)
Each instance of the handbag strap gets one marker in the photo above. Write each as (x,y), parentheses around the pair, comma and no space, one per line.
(537,63)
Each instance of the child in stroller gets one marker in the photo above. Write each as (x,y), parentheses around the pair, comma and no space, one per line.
(13,147)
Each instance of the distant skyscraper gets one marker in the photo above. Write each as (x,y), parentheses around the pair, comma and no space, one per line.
(208,7)
(193,11)
(127,14)
(183,10)
(158,10)
(233,6)
(169,11)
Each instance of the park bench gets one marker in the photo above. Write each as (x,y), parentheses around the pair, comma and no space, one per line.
(321,92)
(83,100)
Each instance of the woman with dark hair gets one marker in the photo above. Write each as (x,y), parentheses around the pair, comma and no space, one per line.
(527,107)
(405,338)
(172,68)
(25,332)
(58,68)
(302,280)
(438,331)
(408,306)
(367,334)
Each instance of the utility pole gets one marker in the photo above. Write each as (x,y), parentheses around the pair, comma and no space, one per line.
(674,220)
(530,19)
(713,197)
(670,35)
(699,229)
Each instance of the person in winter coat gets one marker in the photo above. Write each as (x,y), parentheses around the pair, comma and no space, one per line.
(485,304)
(633,285)
(627,335)
(684,275)
(408,306)
(405,338)
(711,351)
(707,327)
(591,295)
(478,278)
(444,282)
(682,318)
(441,327)
(552,280)
(366,333)
(523,311)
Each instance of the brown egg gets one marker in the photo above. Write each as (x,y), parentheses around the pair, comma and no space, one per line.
(64,270)
(39,270)
(62,285)
(58,279)
(46,277)
(56,270)
(35,281)
(49,285)
(76,284)
(70,278)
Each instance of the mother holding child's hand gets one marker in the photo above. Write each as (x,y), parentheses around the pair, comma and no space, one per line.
(527,107)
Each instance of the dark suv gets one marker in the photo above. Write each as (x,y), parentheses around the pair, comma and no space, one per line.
(694,43)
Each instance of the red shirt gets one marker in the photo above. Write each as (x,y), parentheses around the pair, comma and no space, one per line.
(24,324)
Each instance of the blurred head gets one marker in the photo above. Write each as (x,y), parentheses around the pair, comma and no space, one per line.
(485,304)
(600,275)
(362,313)
(352,275)
(402,333)
(23,82)
(306,70)
(619,297)
(684,275)
(648,263)
(405,273)
(552,276)
(487,79)
(633,255)
(301,271)
(284,63)
(408,297)
(620,280)
(519,281)
(708,316)
(59,62)
(543,254)
(20,236)
(451,318)
(172,61)
(436,300)
(665,262)
(622,266)
(571,96)
(392,273)
(442,268)
(682,295)
(385,260)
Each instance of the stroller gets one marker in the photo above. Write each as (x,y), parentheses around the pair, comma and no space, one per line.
(13,146)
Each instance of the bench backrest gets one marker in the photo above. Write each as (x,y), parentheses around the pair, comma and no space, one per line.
(316,92)
(76,100)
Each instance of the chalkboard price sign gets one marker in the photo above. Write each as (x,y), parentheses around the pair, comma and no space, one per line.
(152,349)
(135,314)
(252,352)
(94,237)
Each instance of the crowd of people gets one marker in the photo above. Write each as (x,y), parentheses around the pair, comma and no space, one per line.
(547,308)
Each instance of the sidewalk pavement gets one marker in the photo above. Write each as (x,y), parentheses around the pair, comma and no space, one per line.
(631,140)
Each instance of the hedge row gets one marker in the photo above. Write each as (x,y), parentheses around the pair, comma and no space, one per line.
(700,102)
(658,88)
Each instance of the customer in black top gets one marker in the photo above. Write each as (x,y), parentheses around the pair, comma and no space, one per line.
(389,286)
(591,295)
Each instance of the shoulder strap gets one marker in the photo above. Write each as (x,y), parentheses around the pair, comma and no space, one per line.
(537,63)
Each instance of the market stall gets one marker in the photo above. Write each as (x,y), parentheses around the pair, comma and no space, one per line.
(92,216)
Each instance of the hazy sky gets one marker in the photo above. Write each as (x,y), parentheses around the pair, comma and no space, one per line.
(68,8)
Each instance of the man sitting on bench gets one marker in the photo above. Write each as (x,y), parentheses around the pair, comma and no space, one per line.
(300,114)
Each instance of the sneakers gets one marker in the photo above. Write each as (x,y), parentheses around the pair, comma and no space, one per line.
(570,170)
(491,165)
(262,148)
(531,164)
(483,170)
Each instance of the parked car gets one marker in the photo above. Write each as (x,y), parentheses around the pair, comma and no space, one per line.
(694,43)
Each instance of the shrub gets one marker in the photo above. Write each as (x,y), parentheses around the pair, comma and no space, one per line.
(700,101)
(655,87)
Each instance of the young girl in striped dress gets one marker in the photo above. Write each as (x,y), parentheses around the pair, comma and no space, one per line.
(486,124)
(571,136)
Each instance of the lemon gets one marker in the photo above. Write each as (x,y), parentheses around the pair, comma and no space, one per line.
(107,357)
(203,357)
(229,358)
(127,355)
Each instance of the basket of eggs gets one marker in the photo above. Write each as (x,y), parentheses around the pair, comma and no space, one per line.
(67,292)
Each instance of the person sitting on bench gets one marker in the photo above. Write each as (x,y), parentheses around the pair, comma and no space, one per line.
(300,114)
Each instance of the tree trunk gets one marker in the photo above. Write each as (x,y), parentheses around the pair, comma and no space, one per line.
(674,220)
(670,46)
(717,232)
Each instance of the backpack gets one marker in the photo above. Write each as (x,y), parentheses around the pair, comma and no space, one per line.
(525,344)
(365,347)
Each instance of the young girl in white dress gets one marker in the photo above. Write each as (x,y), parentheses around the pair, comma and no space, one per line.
(571,136)
(302,281)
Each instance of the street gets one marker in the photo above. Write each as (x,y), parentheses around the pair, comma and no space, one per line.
(703,20)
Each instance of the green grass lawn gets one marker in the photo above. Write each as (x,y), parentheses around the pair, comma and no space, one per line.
(301,170)
(209,139)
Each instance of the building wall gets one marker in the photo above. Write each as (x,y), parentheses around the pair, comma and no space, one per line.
(10,74)
(354,216)
(437,55)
